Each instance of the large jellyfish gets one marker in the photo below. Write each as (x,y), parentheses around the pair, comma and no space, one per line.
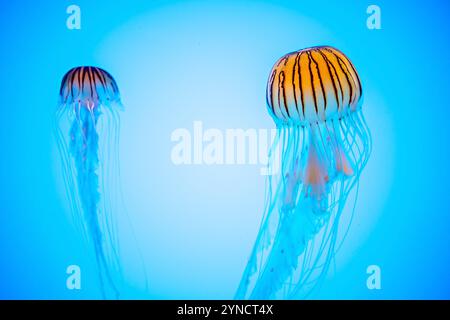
(87,127)
(322,144)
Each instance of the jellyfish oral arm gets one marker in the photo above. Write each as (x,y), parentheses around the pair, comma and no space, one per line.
(315,174)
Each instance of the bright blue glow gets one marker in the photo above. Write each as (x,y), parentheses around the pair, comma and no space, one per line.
(177,62)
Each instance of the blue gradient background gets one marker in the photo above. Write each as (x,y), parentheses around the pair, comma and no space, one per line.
(176,62)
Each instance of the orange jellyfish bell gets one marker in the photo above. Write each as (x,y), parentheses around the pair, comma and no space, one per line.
(313,85)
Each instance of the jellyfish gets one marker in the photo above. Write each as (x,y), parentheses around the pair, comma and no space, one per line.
(87,129)
(322,144)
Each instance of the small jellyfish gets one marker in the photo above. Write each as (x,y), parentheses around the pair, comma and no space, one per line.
(322,145)
(87,127)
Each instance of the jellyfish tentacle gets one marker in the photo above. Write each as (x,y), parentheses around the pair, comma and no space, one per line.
(317,210)
(264,241)
(83,149)
(67,171)
(290,224)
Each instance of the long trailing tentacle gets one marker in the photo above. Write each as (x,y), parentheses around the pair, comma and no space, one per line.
(299,222)
(88,147)
(83,147)
(115,210)
(356,143)
(263,239)
(282,150)
(303,225)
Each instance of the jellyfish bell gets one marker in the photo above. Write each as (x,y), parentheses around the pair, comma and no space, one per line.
(314,96)
(313,85)
(89,87)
